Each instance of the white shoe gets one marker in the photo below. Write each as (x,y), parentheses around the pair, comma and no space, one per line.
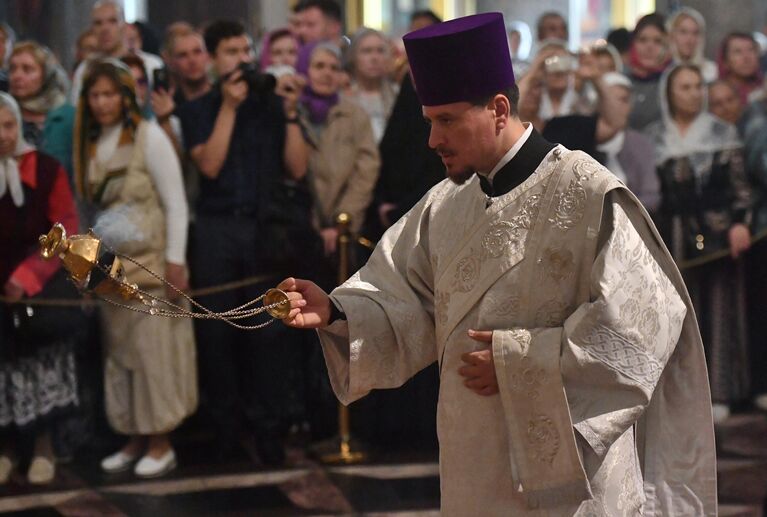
(760,401)
(117,462)
(6,467)
(721,412)
(150,467)
(41,471)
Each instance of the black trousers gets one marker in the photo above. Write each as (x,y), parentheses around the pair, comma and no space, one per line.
(244,374)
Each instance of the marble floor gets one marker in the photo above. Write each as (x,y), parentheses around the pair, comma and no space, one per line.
(395,484)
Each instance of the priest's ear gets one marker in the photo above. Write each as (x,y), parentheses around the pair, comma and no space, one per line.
(504,103)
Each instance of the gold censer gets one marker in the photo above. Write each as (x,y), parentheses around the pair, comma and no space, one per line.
(97,269)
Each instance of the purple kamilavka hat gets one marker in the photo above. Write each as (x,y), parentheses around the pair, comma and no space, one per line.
(460,60)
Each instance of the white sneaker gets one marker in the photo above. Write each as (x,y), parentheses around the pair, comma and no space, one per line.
(42,470)
(6,467)
(150,467)
(721,412)
(117,462)
(760,401)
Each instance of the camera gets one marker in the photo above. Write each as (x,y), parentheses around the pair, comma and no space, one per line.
(559,64)
(258,83)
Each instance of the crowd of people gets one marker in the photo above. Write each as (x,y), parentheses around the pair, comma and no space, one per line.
(225,158)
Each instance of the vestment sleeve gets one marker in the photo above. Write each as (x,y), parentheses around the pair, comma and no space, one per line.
(389,333)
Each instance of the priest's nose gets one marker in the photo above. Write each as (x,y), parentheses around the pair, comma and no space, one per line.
(435,137)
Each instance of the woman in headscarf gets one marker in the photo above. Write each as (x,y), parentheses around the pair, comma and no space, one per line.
(626,154)
(648,58)
(371,88)
(7,40)
(520,45)
(739,65)
(40,86)
(343,158)
(687,38)
(705,208)
(279,48)
(38,379)
(129,179)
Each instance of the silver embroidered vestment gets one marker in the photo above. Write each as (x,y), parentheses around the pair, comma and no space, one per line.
(603,407)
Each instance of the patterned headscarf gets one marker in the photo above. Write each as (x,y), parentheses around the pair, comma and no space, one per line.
(55,87)
(87,130)
(10,180)
(10,39)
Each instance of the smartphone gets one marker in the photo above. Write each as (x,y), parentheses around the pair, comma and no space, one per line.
(160,79)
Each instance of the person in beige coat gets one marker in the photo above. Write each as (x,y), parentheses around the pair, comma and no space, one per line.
(343,161)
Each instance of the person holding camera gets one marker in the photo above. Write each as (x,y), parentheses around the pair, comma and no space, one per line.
(245,140)
(576,132)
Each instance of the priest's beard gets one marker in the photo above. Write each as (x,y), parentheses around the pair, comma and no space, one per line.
(459,177)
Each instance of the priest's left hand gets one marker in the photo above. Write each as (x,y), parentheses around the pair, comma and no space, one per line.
(479,369)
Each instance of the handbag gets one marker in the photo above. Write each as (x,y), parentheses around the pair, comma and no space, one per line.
(29,326)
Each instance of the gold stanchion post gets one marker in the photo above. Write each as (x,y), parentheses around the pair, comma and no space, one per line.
(342,448)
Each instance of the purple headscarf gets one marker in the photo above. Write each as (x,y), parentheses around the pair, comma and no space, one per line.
(317,105)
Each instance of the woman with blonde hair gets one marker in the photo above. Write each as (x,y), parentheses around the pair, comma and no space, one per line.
(128,179)
(369,62)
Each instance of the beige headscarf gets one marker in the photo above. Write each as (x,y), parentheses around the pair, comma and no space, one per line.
(10,180)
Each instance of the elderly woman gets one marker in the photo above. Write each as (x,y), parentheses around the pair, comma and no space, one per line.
(343,159)
(648,58)
(705,208)
(40,86)
(38,379)
(128,176)
(369,60)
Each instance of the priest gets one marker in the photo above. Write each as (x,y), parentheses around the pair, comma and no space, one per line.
(572,375)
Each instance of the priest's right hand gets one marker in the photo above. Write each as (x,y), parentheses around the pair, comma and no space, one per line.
(309,304)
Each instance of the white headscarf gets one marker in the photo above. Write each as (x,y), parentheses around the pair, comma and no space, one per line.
(706,135)
(9,169)
(708,68)
(525,39)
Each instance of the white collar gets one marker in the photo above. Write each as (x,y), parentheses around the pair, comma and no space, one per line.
(511,153)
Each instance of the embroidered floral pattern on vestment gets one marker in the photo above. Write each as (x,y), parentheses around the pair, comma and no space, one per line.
(543,438)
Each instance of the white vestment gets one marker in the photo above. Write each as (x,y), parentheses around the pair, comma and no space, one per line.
(604,406)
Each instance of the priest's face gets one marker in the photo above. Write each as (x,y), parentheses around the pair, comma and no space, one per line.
(463,135)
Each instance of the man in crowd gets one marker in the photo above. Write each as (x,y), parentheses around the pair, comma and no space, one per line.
(187,59)
(573,380)
(318,20)
(108,24)
(552,25)
(244,139)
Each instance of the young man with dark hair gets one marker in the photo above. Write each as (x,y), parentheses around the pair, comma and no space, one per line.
(244,142)
(318,20)
(572,374)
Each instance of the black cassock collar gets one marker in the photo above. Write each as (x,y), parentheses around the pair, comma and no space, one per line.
(519,168)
